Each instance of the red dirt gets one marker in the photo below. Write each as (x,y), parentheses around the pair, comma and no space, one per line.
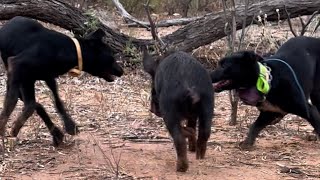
(124,126)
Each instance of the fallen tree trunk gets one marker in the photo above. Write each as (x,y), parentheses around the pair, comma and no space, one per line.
(195,34)
(211,28)
(60,13)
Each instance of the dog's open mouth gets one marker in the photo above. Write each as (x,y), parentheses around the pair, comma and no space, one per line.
(221,85)
(249,96)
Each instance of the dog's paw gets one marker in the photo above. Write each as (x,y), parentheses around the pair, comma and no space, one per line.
(72,129)
(182,165)
(312,137)
(244,145)
(57,136)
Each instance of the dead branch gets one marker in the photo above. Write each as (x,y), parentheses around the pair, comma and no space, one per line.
(304,25)
(168,22)
(154,32)
(134,22)
(231,30)
(289,22)
(243,24)
(128,18)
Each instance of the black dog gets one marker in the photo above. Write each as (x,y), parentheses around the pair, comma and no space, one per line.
(294,75)
(182,89)
(31,52)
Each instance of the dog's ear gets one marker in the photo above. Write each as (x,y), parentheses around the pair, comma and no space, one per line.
(149,63)
(252,56)
(97,34)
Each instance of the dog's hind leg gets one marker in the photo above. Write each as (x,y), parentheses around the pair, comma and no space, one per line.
(191,125)
(204,130)
(314,118)
(56,133)
(172,122)
(28,96)
(315,99)
(69,124)
(265,118)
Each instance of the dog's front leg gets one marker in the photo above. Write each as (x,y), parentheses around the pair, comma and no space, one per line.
(10,101)
(265,118)
(69,124)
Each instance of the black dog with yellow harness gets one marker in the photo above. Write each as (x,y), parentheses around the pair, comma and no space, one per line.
(32,52)
(277,85)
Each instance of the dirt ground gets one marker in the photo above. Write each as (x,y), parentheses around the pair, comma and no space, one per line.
(120,139)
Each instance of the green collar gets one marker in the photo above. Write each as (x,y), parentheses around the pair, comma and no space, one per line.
(264,79)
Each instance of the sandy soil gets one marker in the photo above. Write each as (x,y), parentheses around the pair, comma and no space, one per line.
(120,138)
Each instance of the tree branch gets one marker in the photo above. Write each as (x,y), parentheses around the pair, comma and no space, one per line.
(289,22)
(202,31)
(128,18)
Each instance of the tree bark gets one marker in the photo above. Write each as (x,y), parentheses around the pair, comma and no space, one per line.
(211,27)
(60,13)
(195,34)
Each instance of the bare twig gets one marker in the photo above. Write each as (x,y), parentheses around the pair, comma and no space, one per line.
(289,22)
(316,28)
(154,29)
(152,25)
(303,24)
(227,28)
(106,158)
(243,24)
(231,30)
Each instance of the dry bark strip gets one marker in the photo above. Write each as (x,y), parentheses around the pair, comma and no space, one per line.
(134,22)
(195,34)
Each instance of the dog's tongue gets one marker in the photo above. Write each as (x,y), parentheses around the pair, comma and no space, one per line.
(220,84)
(249,96)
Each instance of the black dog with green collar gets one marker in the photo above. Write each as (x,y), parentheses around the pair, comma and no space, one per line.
(295,72)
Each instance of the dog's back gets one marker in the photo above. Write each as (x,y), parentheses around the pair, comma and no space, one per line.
(299,47)
(182,79)
(21,33)
(303,55)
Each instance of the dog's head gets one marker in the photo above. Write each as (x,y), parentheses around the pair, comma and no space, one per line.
(237,71)
(150,65)
(100,57)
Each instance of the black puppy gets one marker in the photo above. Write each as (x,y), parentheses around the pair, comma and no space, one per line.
(294,73)
(182,90)
(32,52)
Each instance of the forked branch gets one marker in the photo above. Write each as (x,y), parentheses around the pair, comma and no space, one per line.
(304,25)
(153,29)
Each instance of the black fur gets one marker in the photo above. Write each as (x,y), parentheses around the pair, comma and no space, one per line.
(181,89)
(32,52)
(240,71)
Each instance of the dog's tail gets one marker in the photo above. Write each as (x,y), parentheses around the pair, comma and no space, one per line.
(189,97)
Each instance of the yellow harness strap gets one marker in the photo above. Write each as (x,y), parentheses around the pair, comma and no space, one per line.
(76,71)
(263,79)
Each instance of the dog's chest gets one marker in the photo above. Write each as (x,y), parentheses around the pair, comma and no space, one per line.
(267,106)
